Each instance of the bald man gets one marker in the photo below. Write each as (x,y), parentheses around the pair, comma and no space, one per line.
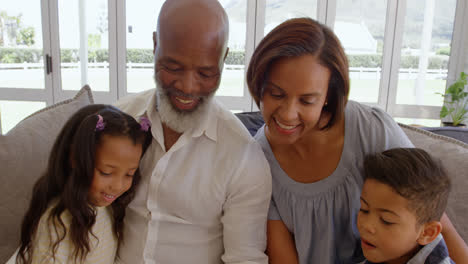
(206,184)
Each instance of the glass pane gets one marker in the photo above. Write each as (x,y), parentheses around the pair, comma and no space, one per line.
(425,51)
(21,51)
(277,11)
(12,112)
(419,122)
(360,26)
(140,46)
(97,34)
(232,81)
(141,22)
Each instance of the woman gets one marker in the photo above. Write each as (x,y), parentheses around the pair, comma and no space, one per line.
(315,141)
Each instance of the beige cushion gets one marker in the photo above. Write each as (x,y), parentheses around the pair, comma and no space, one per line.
(24,152)
(454,156)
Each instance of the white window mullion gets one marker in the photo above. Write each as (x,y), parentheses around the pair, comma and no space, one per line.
(395,57)
(260,11)
(113,50)
(250,30)
(121,47)
(83,42)
(255,25)
(331,13)
(388,52)
(55,51)
(326,12)
(459,46)
(322,11)
(47,51)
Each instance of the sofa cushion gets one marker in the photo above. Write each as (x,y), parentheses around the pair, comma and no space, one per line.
(454,156)
(24,152)
(251,120)
(459,133)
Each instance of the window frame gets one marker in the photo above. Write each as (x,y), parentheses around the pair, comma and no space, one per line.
(255,21)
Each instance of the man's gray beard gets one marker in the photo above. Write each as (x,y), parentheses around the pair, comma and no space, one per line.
(177,120)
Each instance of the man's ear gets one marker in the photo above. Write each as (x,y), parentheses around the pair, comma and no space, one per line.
(155,42)
(430,231)
(225,55)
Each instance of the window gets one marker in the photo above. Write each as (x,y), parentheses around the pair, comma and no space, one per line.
(84,44)
(400,51)
(360,26)
(141,22)
(425,50)
(232,81)
(277,11)
(11,112)
(21,64)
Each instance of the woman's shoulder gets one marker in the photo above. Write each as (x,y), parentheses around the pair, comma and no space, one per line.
(367,114)
(374,126)
(262,140)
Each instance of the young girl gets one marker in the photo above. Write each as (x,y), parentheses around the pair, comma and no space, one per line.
(77,207)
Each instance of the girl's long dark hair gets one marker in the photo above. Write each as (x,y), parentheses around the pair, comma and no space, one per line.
(69,184)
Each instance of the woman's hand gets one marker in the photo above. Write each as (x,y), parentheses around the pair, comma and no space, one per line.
(280,244)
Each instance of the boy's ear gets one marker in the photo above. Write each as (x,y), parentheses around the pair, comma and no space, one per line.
(430,231)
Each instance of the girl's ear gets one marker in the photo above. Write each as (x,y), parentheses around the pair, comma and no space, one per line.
(430,231)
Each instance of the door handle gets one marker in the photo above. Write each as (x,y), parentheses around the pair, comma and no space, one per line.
(48,63)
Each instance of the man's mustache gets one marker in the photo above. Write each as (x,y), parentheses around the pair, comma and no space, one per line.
(176,92)
(172,91)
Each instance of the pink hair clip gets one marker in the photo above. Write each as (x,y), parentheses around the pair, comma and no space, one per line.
(100,123)
(145,124)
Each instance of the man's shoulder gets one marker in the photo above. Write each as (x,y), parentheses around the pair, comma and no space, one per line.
(230,126)
(135,104)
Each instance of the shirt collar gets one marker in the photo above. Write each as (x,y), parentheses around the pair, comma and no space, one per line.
(209,123)
(207,126)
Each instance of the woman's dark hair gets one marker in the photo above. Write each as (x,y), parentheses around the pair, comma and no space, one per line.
(294,38)
(76,143)
(416,176)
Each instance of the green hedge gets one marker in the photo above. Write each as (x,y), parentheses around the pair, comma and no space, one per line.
(406,62)
(235,58)
(140,55)
(372,61)
(10,55)
(443,51)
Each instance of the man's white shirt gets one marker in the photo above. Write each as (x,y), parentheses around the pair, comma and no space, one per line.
(203,201)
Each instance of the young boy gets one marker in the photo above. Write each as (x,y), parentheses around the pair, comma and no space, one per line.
(403,198)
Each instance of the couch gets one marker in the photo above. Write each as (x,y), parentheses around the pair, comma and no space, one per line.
(24,151)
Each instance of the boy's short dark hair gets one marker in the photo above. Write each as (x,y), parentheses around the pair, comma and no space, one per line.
(415,175)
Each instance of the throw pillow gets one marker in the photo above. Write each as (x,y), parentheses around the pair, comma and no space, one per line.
(454,156)
(24,152)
